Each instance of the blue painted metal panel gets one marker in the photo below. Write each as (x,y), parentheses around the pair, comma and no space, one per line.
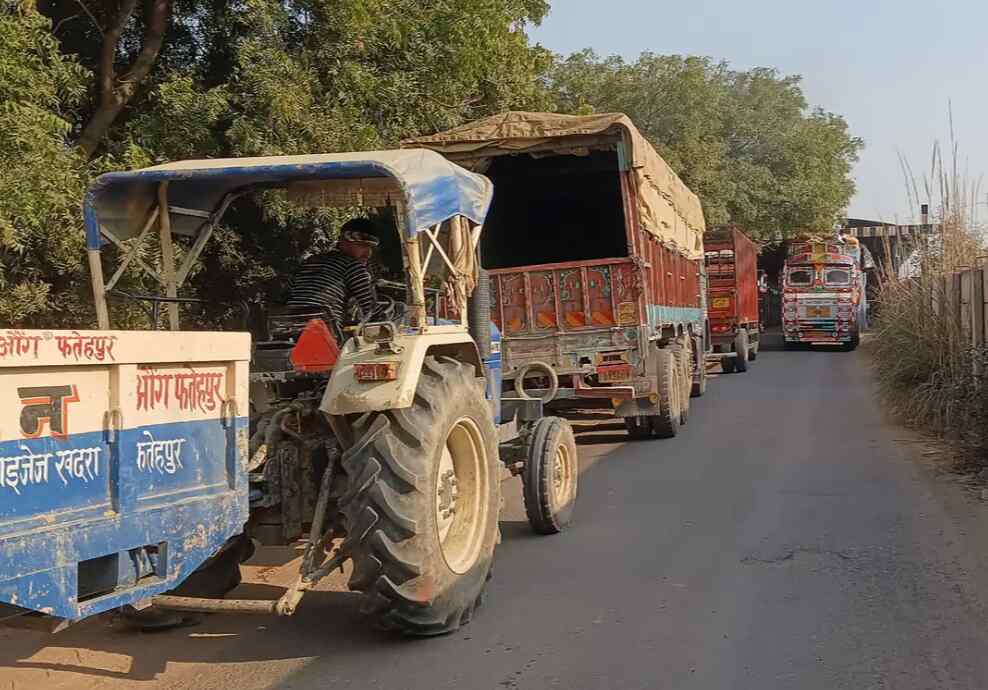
(494,373)
(178,488)
(659,315)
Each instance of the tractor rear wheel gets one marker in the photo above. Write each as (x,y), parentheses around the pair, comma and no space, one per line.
(422,503)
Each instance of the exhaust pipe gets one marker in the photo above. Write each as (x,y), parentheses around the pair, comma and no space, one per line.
(479,312)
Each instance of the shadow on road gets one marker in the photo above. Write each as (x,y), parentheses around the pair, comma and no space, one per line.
(327,626)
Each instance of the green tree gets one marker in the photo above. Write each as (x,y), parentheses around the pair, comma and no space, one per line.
(745,141)
(42,278)
(162,80)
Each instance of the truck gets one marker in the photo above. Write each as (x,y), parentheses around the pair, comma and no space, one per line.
(597,275)
(822,294)
(141,467)
(733,284)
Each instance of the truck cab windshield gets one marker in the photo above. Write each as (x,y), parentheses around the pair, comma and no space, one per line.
(838,276)
(799,277)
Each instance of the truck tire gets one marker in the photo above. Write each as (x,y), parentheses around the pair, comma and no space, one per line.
(727,365)
(639,426)
(422,502)
(683,352)
(666,424)
(699,384)
(753,349)
(551,476)
(852,345)
(741,349)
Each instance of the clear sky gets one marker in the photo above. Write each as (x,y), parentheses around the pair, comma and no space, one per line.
(890,67)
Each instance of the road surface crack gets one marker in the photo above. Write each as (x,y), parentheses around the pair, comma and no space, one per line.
(790,555)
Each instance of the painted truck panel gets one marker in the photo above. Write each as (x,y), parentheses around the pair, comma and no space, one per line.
(822,294)
(732,282)
(122,463)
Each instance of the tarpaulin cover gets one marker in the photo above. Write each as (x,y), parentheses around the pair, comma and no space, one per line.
(431,188)
(667,208)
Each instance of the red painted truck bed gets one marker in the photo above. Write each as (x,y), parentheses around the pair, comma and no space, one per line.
(732,279)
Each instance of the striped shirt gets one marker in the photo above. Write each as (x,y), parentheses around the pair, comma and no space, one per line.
(328,281)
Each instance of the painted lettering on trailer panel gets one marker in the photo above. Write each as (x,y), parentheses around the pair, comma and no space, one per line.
(46,406)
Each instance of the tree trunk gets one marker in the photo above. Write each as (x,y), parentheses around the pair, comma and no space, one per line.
(115,92)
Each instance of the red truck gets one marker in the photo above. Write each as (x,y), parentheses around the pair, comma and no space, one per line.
(732,296)
(594,249)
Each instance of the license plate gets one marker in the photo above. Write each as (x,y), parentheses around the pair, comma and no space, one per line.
(721,303)
(614,374)
(818,312)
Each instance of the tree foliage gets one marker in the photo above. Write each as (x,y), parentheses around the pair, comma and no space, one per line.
(745,141)
(95,85)
(41,256)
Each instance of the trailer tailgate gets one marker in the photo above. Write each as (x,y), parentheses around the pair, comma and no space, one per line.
(122,463)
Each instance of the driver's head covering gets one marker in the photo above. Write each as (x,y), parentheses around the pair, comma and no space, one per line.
(360,231)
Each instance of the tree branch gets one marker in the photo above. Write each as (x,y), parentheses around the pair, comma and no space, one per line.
(90,14)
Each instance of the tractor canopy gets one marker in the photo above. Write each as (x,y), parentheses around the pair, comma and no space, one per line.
(425,186)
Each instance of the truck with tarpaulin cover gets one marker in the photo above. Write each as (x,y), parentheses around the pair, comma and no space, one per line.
(823,296)
(732,297)
(595,254)
(139,468)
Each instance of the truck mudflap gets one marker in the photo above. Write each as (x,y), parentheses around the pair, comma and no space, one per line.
(122,463)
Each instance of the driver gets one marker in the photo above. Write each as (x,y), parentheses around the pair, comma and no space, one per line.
(327,282)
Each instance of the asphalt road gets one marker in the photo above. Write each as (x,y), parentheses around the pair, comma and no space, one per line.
(790,537)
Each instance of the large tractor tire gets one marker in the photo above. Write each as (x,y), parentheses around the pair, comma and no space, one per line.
(741,348)
(666,424)
(551,476)
(699,384)
(422,503)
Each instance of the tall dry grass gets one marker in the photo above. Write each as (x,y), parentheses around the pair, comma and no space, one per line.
(928,373)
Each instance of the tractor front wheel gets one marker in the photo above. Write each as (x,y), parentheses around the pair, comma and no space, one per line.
(551,475)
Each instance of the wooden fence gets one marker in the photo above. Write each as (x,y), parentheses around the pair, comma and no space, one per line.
(965,297)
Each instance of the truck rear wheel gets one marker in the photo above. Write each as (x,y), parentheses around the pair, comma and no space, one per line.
(666,424)
(741,349)
(699,384)
(422,503)
(683,352)
(551,476)
(639,426)
(727,364)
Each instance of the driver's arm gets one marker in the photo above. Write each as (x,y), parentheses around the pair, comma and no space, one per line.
(361,288)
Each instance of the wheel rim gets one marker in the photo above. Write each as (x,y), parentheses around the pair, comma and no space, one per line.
(562,475)
(461,495)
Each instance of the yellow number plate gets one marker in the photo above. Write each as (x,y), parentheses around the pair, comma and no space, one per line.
(614,374)
(721,302)
(818,312)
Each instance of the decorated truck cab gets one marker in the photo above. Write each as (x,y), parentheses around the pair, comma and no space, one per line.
(822,293)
